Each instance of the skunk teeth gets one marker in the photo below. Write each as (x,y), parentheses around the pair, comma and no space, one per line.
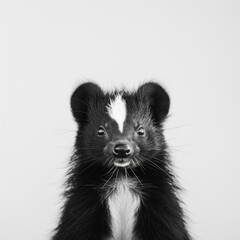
(124,164)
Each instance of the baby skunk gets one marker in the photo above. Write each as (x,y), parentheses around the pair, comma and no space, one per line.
(120,185)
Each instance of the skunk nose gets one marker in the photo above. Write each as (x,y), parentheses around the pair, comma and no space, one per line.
(122,150)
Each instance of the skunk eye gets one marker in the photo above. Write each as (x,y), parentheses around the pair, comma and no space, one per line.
(141,131)
(101,131)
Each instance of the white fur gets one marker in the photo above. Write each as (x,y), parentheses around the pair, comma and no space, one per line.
(123,205)
(117,110)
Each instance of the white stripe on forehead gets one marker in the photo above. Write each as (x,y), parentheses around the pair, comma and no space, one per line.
(117,110)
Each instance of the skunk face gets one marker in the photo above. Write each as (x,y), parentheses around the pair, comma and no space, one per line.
(120,128)
(120,184)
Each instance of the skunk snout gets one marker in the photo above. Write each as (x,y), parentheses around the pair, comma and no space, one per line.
(122,150)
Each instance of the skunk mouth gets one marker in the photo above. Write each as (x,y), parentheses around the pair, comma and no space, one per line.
(122,162)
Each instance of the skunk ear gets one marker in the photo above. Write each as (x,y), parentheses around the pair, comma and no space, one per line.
(81,99)
(157,99)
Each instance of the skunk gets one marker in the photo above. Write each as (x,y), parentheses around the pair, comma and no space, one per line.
(120,181)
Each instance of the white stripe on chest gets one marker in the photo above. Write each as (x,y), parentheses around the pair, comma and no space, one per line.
(117,110)
(123,205)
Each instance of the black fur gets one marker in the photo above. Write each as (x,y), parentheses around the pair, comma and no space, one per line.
(85,215)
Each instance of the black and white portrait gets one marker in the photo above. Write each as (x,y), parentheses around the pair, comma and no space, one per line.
(119,120)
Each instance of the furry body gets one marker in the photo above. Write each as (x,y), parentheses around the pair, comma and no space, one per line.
(120,184)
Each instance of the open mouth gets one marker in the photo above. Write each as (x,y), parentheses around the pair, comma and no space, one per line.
(122,162)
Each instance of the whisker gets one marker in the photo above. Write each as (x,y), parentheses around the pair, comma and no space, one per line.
(180,126)
(110,191)
(64,131)
(108,171)
(157,167)
(86,148)
(90,164)
(109,178)
(125,172)
(160,160)
(136,176)
(116,175)
(140,165)
(88,158)
(179,146)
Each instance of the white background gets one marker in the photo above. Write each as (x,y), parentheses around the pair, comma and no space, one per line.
(48,47)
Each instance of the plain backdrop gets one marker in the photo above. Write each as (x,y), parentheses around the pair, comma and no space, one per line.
(48,47)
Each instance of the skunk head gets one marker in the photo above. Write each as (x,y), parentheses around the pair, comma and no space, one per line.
(119,128)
